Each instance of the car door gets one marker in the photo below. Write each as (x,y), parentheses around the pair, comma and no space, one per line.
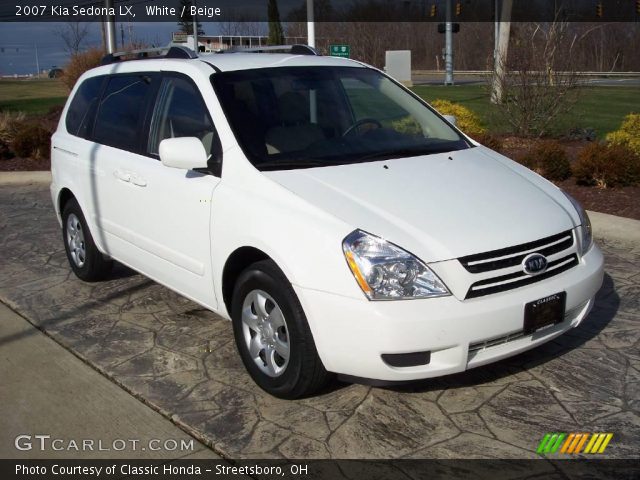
(114,152)
(156,218)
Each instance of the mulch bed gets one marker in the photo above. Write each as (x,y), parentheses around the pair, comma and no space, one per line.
(621,201)
(17,164)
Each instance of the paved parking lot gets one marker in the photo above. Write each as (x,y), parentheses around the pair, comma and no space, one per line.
(180,359)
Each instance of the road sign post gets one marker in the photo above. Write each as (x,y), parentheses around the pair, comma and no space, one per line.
(340,51)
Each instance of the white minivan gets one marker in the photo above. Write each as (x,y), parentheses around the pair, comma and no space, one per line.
(339,222)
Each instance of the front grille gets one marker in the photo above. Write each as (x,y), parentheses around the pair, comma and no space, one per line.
(510,257)
(520,279)
(478,346)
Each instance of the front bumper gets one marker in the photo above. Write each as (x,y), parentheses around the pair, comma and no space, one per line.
(351,335)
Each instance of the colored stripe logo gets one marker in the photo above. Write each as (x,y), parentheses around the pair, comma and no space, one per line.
(573,443)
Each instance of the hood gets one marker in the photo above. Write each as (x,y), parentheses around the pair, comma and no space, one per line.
(437,207)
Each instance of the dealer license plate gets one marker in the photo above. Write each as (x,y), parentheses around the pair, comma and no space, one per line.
(544,312)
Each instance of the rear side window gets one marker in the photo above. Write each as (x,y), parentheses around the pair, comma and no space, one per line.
(83,107)
(121,111)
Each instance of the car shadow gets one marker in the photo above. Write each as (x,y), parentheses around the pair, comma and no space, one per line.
(120,272)
(604,311)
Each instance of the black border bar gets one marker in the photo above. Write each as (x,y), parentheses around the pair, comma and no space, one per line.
(582,468)
(325,11)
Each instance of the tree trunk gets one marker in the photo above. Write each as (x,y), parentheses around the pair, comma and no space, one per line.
(500,63)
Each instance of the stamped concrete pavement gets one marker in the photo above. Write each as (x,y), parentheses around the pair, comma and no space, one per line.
(180,359)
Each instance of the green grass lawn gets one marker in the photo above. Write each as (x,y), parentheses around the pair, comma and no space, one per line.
(31,96)
(600,108)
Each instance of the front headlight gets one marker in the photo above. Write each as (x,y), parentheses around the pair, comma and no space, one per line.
(585,225)
(386,272)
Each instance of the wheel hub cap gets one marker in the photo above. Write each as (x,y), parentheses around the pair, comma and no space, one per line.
(265,333)
(75,240)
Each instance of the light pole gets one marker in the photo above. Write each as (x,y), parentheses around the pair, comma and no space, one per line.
(311,25)
(195,28)
(37,62)
(110,29)
(311,41)
(448,48)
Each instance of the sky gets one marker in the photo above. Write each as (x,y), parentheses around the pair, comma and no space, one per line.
(18,42)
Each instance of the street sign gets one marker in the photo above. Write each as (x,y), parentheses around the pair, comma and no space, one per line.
(339,51)
(179,37)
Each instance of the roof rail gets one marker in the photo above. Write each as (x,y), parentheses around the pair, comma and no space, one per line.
(148,53)
(298,49)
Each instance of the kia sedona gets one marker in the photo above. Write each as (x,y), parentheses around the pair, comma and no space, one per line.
(342,224)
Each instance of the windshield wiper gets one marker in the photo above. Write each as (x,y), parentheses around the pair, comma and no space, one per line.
(291,164)
(295,163)
(402,152)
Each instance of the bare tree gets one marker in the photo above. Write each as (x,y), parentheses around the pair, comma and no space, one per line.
(592,46)
(240,26)
(73,35)
(538,82)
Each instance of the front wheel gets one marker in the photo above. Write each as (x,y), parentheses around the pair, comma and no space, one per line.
(272,334)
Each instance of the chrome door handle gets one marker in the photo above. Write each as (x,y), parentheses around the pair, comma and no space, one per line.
(139,181)
(124,176)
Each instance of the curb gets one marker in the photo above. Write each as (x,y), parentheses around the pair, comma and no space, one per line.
(17,178)
(604,225)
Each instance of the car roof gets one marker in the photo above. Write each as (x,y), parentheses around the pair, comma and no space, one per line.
(222,62)
(245,61)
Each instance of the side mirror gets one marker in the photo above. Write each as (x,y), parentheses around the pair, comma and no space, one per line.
(187,153)
(451,119)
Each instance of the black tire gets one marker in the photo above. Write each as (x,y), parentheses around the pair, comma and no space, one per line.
(93,265)
(304,373)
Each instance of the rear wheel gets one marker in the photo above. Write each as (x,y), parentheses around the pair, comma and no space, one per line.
(84,257)
(272,334)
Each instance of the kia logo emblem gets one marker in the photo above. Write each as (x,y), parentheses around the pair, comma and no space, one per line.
(534,264)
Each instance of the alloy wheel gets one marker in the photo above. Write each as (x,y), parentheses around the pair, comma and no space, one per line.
(265,333)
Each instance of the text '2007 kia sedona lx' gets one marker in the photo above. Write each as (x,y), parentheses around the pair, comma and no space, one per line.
(335,218)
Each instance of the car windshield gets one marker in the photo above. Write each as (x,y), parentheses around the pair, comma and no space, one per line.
(301,117)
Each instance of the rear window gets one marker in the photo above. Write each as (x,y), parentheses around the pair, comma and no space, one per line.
(83,107)
(121,110)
